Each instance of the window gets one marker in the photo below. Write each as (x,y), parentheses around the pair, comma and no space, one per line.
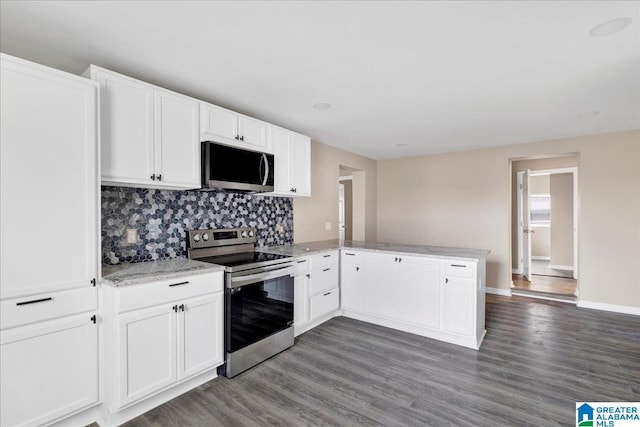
(540,206)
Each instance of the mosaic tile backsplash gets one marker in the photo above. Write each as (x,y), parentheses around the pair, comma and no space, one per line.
(162,218)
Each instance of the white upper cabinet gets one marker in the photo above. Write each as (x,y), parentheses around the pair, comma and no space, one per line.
(177,160)
(221,125)
(150,135)
(292,154)
(48,129)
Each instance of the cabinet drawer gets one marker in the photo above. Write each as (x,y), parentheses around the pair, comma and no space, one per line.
(134,297)
(21,311)
(462,269)
(323,278)
(351,257)
(324,303)
(300,265)
(324,259)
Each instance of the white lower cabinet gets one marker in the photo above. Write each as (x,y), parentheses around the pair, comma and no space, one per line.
(442,299)
(151,349)
(458,306)
(147,349)
(324,303)
(301,301)
(49,370)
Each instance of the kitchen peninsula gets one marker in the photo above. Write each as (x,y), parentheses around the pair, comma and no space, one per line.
(433,291)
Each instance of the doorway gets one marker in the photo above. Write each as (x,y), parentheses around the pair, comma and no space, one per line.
(545,225)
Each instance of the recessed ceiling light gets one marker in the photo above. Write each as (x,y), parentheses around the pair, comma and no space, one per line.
(588,113)
(610,27)
(321,106)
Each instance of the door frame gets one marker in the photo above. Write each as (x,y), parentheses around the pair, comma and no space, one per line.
(574,171)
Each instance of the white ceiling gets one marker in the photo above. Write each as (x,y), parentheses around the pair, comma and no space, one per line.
(438,76)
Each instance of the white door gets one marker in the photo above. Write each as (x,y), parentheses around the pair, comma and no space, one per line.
(218,122)
(301,301)
(526,226)
(351,287)
(48,370)
(147,346)
(48,130)
(419,290)
(200,334)
(341,212)
(380,285)
(253,133)
(301,164)
(280,146)
(457,305)
(126,112)
(177,140)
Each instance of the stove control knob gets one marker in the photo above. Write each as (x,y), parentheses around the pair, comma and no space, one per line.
(196,237)
(244,234)
(205,237)
(251,233)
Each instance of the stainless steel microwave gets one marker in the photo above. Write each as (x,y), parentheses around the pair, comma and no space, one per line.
(232,168)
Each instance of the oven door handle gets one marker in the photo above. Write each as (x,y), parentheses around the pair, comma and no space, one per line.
(239,281)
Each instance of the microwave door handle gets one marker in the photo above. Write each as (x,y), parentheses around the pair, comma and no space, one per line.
(264,161)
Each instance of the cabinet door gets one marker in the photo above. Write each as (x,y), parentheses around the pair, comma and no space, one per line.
(301,300)
(458,305)
(301,164)
(280,146)
(147,345)
(48,129)
(380,290)
(218,122)
(177,140)
(253,133)
(351,281)
(200,332)
(126,110)
(48,370)
(419,291)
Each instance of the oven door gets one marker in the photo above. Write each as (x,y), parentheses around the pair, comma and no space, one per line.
(257,306)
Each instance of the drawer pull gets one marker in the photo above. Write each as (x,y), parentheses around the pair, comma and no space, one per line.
(300,262)
(179,284)
(326,256)
(326,269)
(446,280)
(94,319)
(328,293)
(458,265)
(34,301)
(347,253)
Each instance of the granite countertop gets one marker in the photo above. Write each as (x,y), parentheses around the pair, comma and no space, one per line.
(310,248)
(144,272)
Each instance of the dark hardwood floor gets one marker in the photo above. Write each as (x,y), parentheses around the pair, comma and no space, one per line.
(538,358)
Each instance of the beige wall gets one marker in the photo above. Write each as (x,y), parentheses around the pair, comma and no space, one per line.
(348,209)
(564,161)
(311,213)
(463,199)
(561,185)
(539,184)
(541,242)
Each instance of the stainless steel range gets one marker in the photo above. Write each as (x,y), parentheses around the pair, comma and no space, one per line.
(258,311)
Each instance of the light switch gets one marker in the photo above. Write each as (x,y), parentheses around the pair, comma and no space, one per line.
(327,226)
(131,236)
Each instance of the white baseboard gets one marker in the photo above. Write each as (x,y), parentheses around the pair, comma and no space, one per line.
(548,298)
(516,270)
(541,258)
(498,291)
(624,309)
(560,267)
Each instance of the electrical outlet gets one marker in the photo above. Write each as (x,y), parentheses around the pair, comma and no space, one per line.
(280,228)
(131,236)
(327,226)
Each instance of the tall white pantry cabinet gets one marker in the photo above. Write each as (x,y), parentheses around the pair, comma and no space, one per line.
(48,253)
